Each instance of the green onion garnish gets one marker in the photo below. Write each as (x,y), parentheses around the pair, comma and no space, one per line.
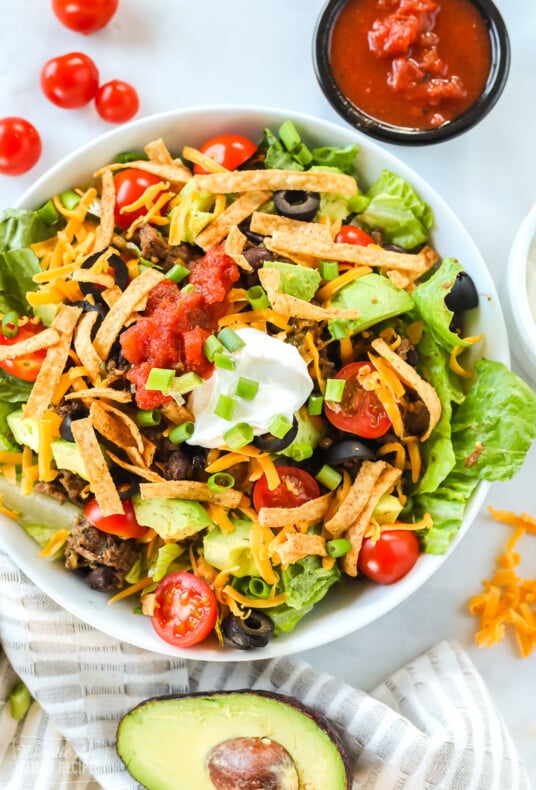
(20,700)
(238,436)
(70,199)
(10,324)
(185,383)
(301,451)
(181,432)
(188,288)
(289,135)
(315,404)
(223,361)
(247,388)
(329,477)
(334,390)
(160,379)
(230,339)
(177,273)
(303,155)
(258,587)
(211,345)
(220,481)
(280,426)
(256,296)
(146,419)
(338,547)
(225,407)
(329,270)
(131,156)
(49,213)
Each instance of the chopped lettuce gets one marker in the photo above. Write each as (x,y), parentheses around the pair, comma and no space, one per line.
(20,228)
(332,156)
(288,152)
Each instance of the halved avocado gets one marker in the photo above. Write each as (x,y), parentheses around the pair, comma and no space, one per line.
(196,742)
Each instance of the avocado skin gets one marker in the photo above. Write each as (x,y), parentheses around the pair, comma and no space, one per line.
(317,718)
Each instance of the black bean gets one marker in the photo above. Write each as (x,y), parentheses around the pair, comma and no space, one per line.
(102,578)
(177,465)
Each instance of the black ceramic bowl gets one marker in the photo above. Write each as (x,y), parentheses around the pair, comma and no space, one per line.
(498,74)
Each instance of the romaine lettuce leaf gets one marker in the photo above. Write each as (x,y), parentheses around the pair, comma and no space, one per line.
(332,156)
(20,228)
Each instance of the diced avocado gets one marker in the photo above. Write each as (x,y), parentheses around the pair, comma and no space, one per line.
(66,455)
(296,280)
(310,431)
(387,509)
(46,312)
(24,431)
(231,550)
(197,741)
(173,519)
(376,298)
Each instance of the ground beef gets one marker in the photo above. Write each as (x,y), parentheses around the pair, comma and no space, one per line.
(155,248)
(87,547)
(66,486)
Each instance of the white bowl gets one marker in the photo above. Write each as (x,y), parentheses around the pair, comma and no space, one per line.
(520,294)
(344,610)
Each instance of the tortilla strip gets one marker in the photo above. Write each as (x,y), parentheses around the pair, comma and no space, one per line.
(115,320)
(357,497)
(234,247)
(84,346)
(234,214)
(305,260)
(139,471)
(385,483)
(190,489)
(287,305)
(125,422)
(428,258)
(88,276)
(158,153)
(100,479)
(44,339)
(249,180)
(106,226)
(267,224)
(54,363)
(298,545)
(175,173)
(411,378)
(119,396)
(310,512)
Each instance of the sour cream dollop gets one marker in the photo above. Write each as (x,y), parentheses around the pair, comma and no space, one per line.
(284,386)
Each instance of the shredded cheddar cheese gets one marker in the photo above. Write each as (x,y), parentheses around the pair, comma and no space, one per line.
(55,542)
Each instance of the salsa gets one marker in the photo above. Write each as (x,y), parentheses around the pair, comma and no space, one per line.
(411,63)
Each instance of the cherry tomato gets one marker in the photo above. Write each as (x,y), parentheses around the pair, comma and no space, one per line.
(117,101)
(28,366)
(389,559)
(84,16)
(296,487)
(124,525)
(185,609)
(70,81)
(20,146)
(360,412)
(229,150)
(350,234)
(130,184)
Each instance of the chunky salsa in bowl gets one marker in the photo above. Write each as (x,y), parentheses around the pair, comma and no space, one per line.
(269,383)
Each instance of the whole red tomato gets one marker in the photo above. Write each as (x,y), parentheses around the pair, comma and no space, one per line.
(389,559)
(185,609)
(20,146)
(84,16)
(70,81)
(117,101)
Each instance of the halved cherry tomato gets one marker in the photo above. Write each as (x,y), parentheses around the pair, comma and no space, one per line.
(229,150)
(389,559)
(296,487)
(124,525)
(28,366)
(185,609)
(360,411)
(20,146)
(351,234)
(84,16)
(117,101)
(70,81)
(130,184)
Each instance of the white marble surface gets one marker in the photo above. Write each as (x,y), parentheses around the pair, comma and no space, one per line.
(193,52)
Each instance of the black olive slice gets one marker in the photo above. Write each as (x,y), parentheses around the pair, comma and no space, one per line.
(463,294)
(348,450)
(297,204)
(255,631)
(120,271)
(78,412)
(254,238)
(271,444)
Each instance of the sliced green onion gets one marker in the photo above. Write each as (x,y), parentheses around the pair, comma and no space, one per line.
(280,426)
(258,587)
(315,404)
(137,610)
(289,135)
(303,155)
(230,339)
(49,213)
(70,199)
(10,324)
(177,273)
(238,436)
(188,289)
(329,270)
(329,477)
(146,419)
(185,383)
(181,432)
(338,547)
(160,379)
(223,361)
(225,407)
(220,481)
(334,390)
(20,700)
(131,156)
(211,345)
(256,296)
(247,388)
(301,451)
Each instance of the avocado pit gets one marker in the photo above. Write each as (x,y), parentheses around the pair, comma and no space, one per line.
(251,764)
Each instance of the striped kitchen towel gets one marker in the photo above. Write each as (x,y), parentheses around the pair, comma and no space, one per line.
(430,726)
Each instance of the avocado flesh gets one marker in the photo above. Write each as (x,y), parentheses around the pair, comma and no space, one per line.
(165,742)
